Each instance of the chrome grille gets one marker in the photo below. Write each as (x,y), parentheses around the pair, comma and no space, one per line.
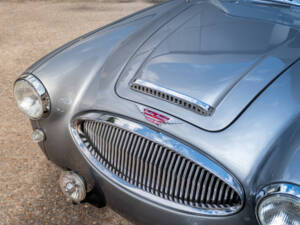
(155,168)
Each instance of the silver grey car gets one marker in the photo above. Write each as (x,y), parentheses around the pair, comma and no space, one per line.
(185,113)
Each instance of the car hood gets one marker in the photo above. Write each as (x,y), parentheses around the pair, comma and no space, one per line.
(221,54)
(210,55)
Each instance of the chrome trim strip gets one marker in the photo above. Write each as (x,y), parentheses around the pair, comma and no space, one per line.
(40,90)
(280,2)
(204,106)
(281,188)
(162,139)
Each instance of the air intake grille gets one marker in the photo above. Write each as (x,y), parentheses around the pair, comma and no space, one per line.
(173,97)
(156,169)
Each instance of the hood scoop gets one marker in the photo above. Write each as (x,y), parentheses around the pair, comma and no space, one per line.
(172,96)
(206,67)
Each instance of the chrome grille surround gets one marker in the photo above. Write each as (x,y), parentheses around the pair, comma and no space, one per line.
(172,96)
(175,192)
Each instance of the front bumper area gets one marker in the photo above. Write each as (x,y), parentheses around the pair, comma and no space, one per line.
(125,201)
(141,211)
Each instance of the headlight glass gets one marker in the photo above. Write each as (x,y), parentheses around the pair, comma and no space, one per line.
(279,209)
(73,186)
(31,97)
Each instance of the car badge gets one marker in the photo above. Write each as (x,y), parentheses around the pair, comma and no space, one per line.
(155,117)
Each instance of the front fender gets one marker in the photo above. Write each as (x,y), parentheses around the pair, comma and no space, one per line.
(281,162)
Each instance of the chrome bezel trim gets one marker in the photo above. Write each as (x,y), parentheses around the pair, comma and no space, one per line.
(280,2)
(206,110)
(165,140)
(40,89)
(290,190)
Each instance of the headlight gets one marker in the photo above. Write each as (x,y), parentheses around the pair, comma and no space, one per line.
(279,205)
(32,97)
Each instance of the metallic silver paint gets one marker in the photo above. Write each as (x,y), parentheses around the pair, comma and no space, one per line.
(255,129)
(222,60)
(249,148)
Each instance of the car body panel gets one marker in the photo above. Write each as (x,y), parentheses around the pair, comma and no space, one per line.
(246,154)
(219,59)
(259,146)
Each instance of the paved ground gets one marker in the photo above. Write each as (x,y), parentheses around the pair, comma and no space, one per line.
(29,193)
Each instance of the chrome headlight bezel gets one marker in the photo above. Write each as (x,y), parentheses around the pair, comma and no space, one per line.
(40,91)
(291,191)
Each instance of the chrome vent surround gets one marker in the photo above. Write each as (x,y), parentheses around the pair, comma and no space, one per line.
(172,96)
(160,172)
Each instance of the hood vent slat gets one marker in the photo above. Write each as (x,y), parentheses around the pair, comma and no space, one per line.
(173,97)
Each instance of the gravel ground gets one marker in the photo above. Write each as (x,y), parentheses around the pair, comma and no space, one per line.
(29,192)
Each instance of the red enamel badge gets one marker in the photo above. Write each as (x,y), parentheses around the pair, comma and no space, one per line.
(155,117)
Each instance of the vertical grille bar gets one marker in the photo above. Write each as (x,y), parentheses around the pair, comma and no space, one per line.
(134,157)
(151,168)
(155,168)
(138,163)
(148,155)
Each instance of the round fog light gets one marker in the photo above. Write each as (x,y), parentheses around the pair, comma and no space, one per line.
(73,186)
